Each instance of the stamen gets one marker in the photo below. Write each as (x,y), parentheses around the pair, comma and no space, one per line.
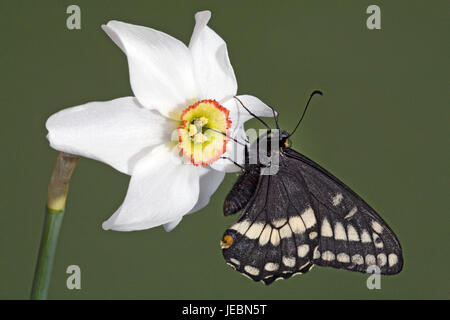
(192,130)
(203,121)
(200,138)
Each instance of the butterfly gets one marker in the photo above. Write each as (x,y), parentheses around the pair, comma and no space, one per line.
(302,216)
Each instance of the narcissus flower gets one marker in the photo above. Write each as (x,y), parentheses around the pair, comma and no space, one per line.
(173,136)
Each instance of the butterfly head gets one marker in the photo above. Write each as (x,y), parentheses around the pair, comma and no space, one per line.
(284,139)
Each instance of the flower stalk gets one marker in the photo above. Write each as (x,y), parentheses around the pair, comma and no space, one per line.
(56,202)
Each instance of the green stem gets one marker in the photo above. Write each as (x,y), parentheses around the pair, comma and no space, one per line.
(56,202)
(47,250)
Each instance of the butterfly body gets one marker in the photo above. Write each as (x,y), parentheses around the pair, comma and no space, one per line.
(242,190)
(303,216)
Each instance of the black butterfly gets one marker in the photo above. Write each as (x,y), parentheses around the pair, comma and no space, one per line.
(300,217)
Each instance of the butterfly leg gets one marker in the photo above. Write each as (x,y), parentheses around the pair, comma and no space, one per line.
(234,162)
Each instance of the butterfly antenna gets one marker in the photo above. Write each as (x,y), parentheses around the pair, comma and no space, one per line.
(229,137)
(275,116)
(252,114)
(306,108)
(234,162)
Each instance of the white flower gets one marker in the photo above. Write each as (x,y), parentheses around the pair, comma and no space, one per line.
(175,87)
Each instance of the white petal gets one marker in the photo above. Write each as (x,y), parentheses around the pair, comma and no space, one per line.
(161,190)
(256,106)
(172,224)
(209,182)
(161,67)
(118,132)
(213,69)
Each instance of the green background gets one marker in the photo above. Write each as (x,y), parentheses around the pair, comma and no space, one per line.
(382,127)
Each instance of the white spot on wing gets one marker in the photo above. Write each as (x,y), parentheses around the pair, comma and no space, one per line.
(285,232)
(326,231)
(275,238)
(357,259)
(289,261)
(251,270)
(246,276)
(304,265)
(370,259)
(241,227)
(265,235)
(302,250)
(328,256)
(279,222)
(365,237)
(297,224)
(316,254)
(313,235)
(352,234)
(343,257)
(231,265)
(381,259)
(308,217)
(377,227)
(378,242)
(337,199)
(339,232)
(351,213)
(255,230)
(270,266)
(235,261)
(393,259)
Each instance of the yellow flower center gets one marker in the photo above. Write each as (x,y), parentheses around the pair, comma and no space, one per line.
(203,134)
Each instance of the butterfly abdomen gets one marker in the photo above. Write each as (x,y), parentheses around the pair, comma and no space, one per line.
(243,189)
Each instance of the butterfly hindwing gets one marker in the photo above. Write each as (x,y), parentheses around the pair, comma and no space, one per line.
(276,235)
(352,235)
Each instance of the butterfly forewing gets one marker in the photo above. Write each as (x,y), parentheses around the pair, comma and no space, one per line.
(352,235)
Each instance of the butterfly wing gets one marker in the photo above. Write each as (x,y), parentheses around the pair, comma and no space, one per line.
(276,235)
(352,235)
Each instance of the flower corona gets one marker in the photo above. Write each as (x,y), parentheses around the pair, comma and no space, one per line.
(204,132)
